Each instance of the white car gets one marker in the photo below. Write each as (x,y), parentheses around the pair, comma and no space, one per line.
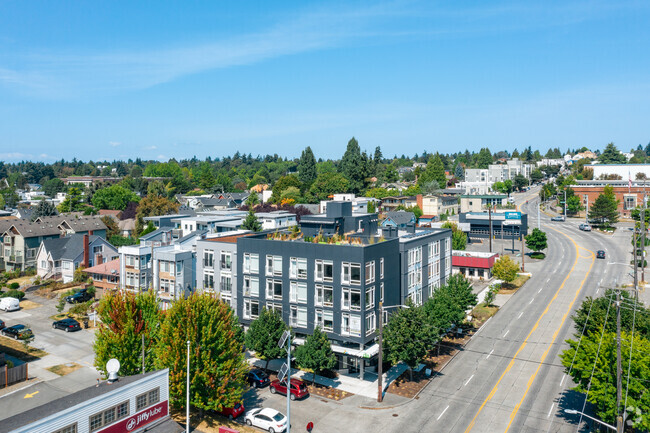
(267,419)
(9,304)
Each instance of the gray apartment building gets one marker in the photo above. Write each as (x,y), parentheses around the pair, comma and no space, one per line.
(336,282)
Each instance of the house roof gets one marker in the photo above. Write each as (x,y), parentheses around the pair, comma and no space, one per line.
(127,224)
(31,230)
(109,268)
(110,212)
(400,217)
(66,248)
(84,224)
(195,234)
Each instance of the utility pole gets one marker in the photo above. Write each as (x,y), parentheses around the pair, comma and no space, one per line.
(380,365)
(523,253)
(490,218)
(635,258)
(142,353)
(643,229)
(619,383)
(565,204)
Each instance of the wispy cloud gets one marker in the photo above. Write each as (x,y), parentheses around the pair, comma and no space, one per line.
(16,156)
(114,143)
(152,147)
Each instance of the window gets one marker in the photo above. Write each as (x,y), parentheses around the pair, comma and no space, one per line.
(130,261)
(414,278)
(226,298)
(251,309)
(298,268)
(98,249)
(179,269)
(298,292)
(68,429)
(351,273)
(433,286)
(274,306)
(434,250)
(324,270)
(324,296)
(370,297)
(273,289)
(226,260)
(166,285)
(381,268)
(274,266)
(208,280)
(629,202)
(370,272)
(147,399)
(106,417)
(447,267)
(448,246)
(370,323)
(226,283)
(325,320)
(251,263)
(351,299)
(350,324)
(141,402)
(298,317)
(251,286)
(208,258)
(415,256)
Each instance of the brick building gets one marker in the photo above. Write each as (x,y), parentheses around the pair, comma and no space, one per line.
(628,196)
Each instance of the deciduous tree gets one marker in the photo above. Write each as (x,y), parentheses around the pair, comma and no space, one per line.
(505,269)
(316,354)
(264,334)
(114,197)
(536,241)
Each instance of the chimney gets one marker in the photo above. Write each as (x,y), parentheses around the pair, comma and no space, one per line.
(90,232)
(419,201)
(86,252)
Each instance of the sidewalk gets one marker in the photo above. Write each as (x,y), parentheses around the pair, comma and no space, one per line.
(365,388)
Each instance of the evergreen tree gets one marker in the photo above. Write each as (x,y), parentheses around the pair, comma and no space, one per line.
(217,363)
(307,168)
(459,173)
(316,354)
(264,334)
(484,158)
(73,201)
(435,171)
(352,167)
(605,208)
(251,222)
(43,209)
(611,155)
(378,162)
(536,241)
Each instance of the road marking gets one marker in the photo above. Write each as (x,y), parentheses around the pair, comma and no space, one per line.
(548,280)
(531,301)
(562,381)
(525,342)
(550,411)
(597,290)
(443,412)
(504,335)
(470,378)
(540,289)
(489,354)
(520,314)
(31,395)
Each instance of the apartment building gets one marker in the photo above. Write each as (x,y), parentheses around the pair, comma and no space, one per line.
(174,272)
(136,271)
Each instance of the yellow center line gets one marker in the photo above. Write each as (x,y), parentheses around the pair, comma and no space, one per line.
(525,342)
(555,334)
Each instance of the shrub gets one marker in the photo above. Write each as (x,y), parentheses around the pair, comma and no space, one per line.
(13,294)
(14,286)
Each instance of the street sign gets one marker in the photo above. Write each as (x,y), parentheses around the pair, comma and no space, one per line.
(310,426)
(513,215)
(283,339)
(283,372)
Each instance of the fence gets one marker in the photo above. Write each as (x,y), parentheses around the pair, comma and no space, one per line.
(9,376)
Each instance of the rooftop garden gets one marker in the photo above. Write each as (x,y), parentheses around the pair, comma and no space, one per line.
(295,234)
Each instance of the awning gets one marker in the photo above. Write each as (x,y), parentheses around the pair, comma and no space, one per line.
(365,353)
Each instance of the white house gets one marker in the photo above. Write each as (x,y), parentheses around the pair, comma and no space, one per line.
(278,219)
(61,256)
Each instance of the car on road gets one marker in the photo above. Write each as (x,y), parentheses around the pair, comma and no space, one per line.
(600,254)
(80,296)
(18,332)
(298,388)
(558,218)
(9,304)
(257,378)
(585,227)
(68,324)
(232,412)
(267,419)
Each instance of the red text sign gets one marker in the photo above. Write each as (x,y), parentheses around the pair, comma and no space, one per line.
(140,419)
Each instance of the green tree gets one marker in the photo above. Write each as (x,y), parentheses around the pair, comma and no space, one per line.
(459,173)
(484,158)
(591,363)
(217,363)
(520,182)
(573,205)
(536,241)
(264,334)
(124,318)
(458,237)
(73,201)
(283,183)
(206,177)
(291,195)
(52,186)
(405,339)
(605,208)
(114,197)
(352,167)
(536,175)
(505,269)
(435,171)
(327,184)
(251,222)
(316,354)
(153,205)
(460,291)
(596,310)
(9,197)
(43,209)
(611,155)
(307,168)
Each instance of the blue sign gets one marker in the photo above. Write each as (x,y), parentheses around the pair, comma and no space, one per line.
(513,215)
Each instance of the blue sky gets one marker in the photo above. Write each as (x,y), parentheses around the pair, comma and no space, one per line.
(154,79)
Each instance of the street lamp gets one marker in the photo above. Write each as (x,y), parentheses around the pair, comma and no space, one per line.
(187,395)
(380,387)
(575,412)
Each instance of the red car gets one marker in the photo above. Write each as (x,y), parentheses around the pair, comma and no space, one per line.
(298,388)
(232,412)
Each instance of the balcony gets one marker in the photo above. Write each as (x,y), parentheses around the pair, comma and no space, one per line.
(17,258)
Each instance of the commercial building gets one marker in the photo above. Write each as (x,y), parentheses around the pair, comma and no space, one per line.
(131,404)
(473,264)
(628,196)
(478,203)
(623,171)
(504,224)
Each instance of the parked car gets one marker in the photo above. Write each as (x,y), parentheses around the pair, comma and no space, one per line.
(18,332)
(585,227)
(298,388)
(558,218)
(267,419)
(600,254)
(257,378)
(80,296)
(2,324)
(68,324)
(232,412)
(9,304)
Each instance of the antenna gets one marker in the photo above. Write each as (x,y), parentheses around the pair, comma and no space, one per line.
(112,367)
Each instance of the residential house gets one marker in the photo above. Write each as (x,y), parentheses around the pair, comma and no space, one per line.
(399,219)
(105,276)
(435,205)
(478,203)
(60,257)
(88,181)
(136,272)
(173,272)
(392,203)
(21,240)
(279,219)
